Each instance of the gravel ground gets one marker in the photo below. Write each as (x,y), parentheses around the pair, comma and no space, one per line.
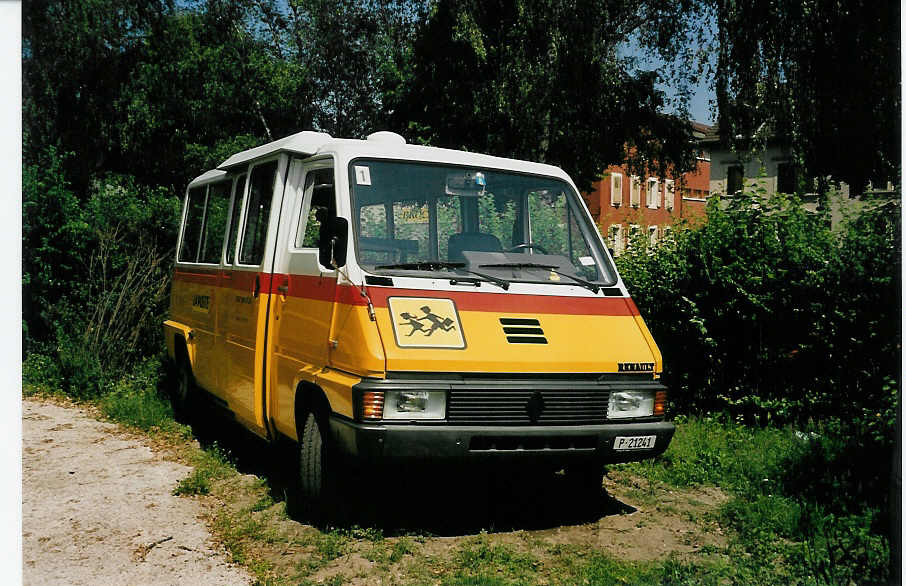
(97,508)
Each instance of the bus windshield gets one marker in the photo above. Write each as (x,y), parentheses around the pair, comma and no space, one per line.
(412,218)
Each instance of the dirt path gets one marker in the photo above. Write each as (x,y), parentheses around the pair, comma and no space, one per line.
(97,508)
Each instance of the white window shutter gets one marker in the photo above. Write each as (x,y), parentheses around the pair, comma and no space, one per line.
(669,191)
(635,191)
(653,195)
(652,235)
(616,189)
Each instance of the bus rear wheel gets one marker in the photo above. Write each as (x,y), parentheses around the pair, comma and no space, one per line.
(184,394)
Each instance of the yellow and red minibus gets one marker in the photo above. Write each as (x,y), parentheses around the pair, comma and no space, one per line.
(398,303)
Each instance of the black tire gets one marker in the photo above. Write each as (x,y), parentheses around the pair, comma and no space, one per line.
(310,498)
(183,396)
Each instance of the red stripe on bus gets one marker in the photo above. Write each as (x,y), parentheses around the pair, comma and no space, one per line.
(325,289)
(514,303)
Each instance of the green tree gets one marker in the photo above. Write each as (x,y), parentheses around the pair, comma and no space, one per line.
(822,75)
(543,81)
(77,55)
(354,50)
(204,79)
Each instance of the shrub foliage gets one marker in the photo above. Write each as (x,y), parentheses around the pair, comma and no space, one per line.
(96,275)
(768,313)
(770,316)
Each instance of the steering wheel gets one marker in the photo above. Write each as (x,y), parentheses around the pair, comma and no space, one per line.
(532,245)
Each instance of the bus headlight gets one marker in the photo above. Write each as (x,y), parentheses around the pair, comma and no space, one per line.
(415,405)
(626,404)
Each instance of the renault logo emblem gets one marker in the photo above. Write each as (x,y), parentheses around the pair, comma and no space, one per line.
(535,406)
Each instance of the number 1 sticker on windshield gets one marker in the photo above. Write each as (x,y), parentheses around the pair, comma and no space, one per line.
(362,175)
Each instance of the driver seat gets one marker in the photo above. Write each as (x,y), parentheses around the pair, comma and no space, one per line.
(471,241)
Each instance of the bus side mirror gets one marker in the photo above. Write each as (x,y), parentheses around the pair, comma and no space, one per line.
(333,239)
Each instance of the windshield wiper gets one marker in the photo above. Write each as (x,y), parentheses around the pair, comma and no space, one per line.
(436,265)
(425,265)
(552,268)
(518,265)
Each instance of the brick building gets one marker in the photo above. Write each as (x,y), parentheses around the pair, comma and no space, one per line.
(623,204)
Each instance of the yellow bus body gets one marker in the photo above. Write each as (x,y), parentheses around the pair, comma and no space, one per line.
(273,336)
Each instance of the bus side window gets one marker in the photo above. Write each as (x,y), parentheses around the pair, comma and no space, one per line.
(257,214)
(215,219)
(317,203)
(234,219)
(191,233)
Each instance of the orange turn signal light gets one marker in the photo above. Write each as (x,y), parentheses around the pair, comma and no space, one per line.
(660,402)
(372,405)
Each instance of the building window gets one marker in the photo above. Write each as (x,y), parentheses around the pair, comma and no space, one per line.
(635,232)
(786,178)
(669,193)
(666,233)
(734,179)
(635,191)
(652,235)
(653,194)
(615,238)
(616,189)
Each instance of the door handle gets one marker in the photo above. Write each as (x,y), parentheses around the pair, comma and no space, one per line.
(284,289)
(257,286)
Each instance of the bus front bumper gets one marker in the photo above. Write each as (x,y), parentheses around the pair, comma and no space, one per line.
(460,443)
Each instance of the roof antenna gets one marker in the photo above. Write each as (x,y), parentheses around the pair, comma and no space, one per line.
(261,116)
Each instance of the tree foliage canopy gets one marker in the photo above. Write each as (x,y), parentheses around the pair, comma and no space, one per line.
(543,81)
(822,75)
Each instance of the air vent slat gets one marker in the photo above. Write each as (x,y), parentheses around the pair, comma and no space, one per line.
(523,331)
(517,321)
(526,340)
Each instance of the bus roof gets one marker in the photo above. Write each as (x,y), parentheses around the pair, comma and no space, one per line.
(306,142)
(381,144)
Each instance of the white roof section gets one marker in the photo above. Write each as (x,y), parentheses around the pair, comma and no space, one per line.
(207,177)
(384,145)
(306,142)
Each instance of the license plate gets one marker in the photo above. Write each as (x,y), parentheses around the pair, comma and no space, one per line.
(638,442)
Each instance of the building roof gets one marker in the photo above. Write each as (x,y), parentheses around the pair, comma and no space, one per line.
(700,130)
(711,134)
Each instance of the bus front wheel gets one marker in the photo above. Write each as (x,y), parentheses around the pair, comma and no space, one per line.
(312,492)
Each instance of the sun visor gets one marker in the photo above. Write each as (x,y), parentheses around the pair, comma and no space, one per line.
(304,143)
(208,177)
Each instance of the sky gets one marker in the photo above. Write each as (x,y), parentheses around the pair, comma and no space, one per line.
(700,108)
(703,97)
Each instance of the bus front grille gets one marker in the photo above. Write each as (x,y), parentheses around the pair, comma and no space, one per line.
(527,407)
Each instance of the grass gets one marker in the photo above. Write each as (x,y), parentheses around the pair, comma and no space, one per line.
(794,511)
(209,465)
(786,524)
(142,409)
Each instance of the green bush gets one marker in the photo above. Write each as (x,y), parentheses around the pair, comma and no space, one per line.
(96,275)
(767,313)
(137,399)
(41,374)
